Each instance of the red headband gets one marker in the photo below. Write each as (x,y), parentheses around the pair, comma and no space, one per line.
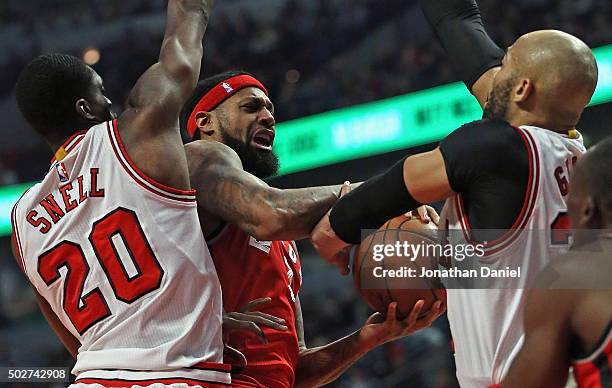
(220,93)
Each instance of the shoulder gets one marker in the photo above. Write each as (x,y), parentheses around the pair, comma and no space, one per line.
(483,148)
(563,281)
(570,272)
(490,133)
(206,152)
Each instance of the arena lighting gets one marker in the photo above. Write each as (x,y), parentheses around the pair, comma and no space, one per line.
(369,129)
(91,56)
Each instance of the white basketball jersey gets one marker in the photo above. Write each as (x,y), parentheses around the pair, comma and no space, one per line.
(122,261)
(487,324)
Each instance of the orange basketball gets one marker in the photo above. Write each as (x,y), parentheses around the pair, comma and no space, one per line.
(383,276)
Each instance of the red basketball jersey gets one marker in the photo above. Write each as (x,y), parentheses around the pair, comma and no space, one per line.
(250,269)
(595,370)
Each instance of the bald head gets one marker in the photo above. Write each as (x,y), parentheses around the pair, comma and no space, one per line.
(562,69)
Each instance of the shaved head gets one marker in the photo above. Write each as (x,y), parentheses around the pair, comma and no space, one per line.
(558,73)
(563,67)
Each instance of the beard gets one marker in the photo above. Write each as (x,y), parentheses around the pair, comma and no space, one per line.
(262,164)
(499,100)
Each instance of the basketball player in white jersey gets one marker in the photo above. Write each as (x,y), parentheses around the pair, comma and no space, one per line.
(568,312)
(508,172)
(107,238)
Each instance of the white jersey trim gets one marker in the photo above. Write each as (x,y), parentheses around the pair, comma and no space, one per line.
(138,176)
(195,375)
(16,234)
(604,342)
(529,202)
(69,145)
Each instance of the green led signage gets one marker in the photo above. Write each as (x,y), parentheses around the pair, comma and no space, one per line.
(388,125)
(8,196)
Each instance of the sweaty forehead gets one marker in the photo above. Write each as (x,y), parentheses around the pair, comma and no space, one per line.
(250,93)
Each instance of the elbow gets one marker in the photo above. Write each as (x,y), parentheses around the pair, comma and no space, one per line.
(185,73)
(181,64)
(274,224)
(270,229)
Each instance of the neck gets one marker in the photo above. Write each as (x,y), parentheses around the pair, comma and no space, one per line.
(540,120)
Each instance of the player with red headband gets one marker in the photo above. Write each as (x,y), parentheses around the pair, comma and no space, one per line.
(249,227)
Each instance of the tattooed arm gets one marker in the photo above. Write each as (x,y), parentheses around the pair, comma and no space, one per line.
(227,193)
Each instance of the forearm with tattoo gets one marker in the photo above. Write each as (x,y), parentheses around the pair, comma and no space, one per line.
(322,365)
(225,190)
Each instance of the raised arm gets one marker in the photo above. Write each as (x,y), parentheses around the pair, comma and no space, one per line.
(166,85)
(227,193)
(458,25)
(149,127)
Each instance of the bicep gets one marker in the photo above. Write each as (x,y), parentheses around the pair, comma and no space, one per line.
(224,189)
(235,196)
(425,177)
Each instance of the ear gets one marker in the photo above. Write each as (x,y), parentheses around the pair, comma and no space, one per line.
(205,123)
(522,91)
(589,214)
(84,110)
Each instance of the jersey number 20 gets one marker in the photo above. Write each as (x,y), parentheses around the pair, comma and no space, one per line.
(84,311)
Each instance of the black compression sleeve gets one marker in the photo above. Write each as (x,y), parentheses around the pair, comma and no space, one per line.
(487,162)
(458,26)
(371,204)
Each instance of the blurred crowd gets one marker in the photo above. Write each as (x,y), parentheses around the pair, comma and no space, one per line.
(314,56)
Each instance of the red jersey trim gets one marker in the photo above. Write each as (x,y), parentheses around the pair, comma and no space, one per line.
(72,142)
(144,383)
(138,176)
(529,202)
(212,366)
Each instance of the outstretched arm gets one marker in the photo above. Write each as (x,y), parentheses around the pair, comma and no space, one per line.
(227,193)
(149,127)
(409,184)
(324,364)
(458,25)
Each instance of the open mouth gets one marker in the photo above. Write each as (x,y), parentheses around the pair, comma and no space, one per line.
(263,139)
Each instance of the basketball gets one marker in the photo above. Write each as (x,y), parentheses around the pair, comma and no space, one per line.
(385,269)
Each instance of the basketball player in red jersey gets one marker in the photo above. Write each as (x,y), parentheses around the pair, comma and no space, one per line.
(249,226)
(568,316)
(106,237)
